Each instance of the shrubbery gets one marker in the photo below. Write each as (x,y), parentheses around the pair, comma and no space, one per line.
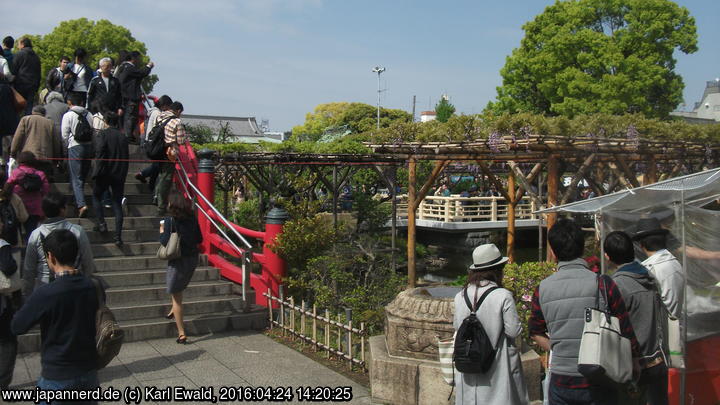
(338,268)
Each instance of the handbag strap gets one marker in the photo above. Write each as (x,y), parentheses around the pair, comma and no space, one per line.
(474,308)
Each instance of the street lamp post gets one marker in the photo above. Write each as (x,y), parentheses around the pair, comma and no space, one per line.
(378,70)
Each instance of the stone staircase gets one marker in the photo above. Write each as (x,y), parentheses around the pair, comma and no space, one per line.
(136,277)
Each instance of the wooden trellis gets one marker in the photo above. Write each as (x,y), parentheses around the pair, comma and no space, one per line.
(606,164)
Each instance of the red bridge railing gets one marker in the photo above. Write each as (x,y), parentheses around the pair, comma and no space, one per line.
(215,241)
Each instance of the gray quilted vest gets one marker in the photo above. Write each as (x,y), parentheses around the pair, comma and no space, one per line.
(563,299)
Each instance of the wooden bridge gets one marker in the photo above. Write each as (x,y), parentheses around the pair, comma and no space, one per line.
(456,213)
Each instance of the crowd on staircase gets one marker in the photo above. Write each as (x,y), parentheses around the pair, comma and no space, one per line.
(81,125)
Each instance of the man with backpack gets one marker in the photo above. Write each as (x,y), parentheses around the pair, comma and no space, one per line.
(174,135)
(66,312)
(35,266)
(647,315)
(150,173)
(78,135)
(558,314)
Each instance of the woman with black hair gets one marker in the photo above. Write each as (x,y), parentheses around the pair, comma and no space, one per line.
(503,382)
(179,272)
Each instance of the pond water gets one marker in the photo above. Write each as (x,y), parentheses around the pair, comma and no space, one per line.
(458,262)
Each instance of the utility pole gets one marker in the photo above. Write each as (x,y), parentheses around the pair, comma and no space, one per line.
(413,109)
(378,70)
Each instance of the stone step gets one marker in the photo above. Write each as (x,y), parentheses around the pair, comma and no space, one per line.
(131,199)
(159,327)
(127,249)
(134,188)
(129,178)
(148,235)
(138,223)
(193,306)
(145,262)
(135,278)
(131,210)
(117,296)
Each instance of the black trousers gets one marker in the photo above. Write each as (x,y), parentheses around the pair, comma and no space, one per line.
(117,189)
(131,117)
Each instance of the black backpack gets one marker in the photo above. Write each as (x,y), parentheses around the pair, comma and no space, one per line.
(31,182)
(474,353)
(10,222)
(83,130)
(155,145)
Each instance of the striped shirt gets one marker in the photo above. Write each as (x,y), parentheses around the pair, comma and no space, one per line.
(174,129)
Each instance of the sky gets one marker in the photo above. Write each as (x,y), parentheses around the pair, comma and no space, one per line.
(278,59)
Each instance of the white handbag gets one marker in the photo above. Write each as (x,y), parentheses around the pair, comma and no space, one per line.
(604,352)
(9,284)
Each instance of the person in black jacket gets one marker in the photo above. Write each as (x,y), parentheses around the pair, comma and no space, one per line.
(56,77)
(131,76)
(104,89)
(65,310)
(26,68)
(111,167)
(179,272)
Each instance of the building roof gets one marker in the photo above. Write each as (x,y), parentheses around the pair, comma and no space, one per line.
(243,129)
(428,113)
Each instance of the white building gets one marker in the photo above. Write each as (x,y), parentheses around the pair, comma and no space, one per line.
(708,109)
(426,116)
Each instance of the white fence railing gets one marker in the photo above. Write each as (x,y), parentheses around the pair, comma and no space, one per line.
(324,332)
(468,209)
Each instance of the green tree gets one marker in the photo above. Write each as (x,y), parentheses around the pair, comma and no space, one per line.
(444,109)
(607,56)
(358,117)
(99,38)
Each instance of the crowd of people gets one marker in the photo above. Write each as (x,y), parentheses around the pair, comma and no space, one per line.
(82,122)
(642,295)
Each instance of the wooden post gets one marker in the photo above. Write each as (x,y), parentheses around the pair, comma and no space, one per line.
(314,327)
(327,333)
(412,169)
(335,196)
(553,181)
(511,218)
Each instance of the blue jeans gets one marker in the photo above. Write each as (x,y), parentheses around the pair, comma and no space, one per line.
(582,396)
(86,381)
(79,170)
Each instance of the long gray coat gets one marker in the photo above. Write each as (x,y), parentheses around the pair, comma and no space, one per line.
(503,383)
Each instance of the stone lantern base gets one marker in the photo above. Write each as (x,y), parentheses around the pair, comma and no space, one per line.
(402,381)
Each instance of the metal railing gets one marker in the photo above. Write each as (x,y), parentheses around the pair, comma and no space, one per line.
(245,254)
(468,209)
(335,335)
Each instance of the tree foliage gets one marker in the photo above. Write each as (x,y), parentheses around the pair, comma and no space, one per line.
(358,117)
(99,38)
(599,56)
(444,109)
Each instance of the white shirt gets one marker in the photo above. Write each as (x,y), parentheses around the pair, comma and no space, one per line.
(667,270)
(5,69)
(106,80)
(69,122)
(152,120)
(82,72)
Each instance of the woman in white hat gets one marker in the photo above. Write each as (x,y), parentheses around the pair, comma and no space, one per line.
(503,382)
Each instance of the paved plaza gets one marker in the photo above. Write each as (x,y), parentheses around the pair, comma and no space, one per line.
(228,359)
